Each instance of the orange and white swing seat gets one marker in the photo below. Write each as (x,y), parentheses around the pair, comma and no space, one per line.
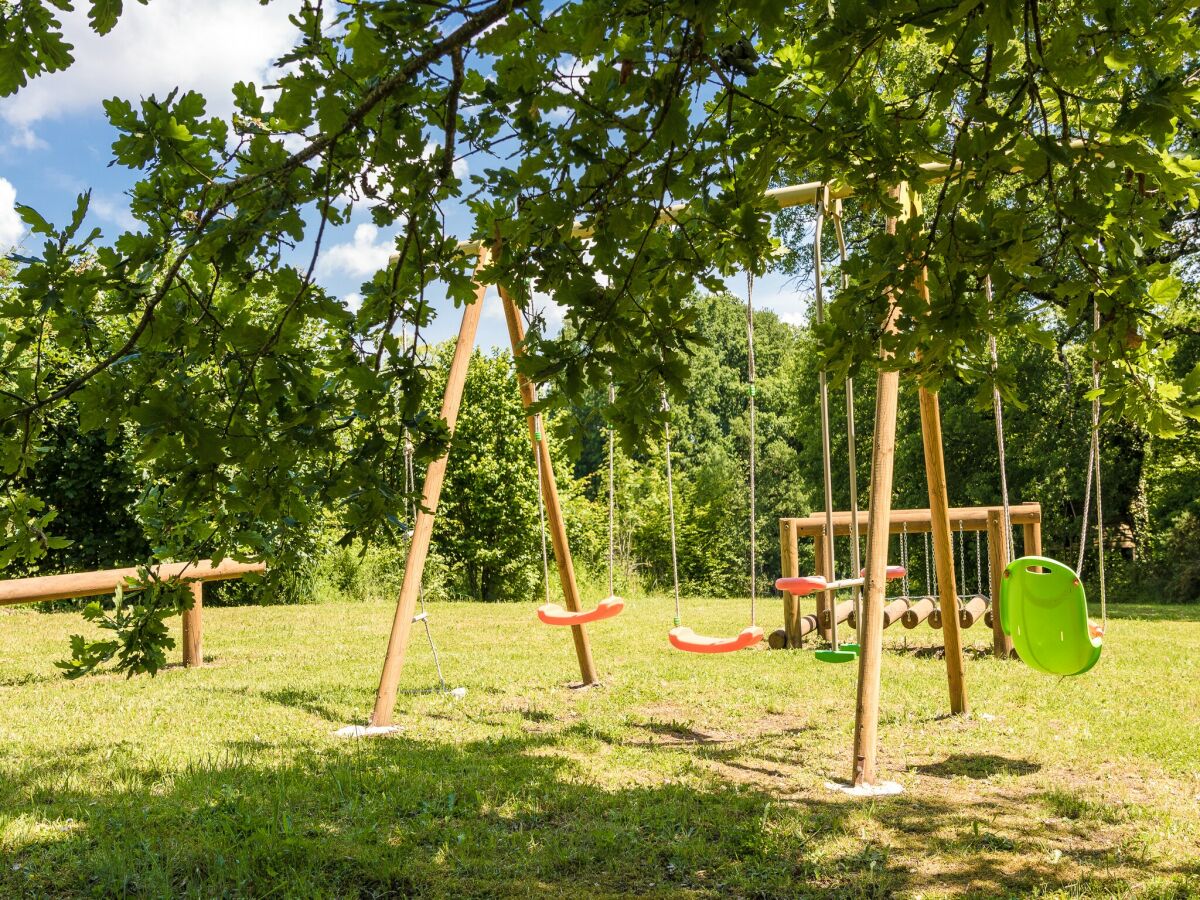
(554,614)
(803,585)
(683,638)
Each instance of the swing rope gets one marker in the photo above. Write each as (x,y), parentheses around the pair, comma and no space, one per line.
(684,638)
(998,415)
(666,407)
(823,389)
(851,448)
(612,496)
(753,492)
(1094,469)
(537,455)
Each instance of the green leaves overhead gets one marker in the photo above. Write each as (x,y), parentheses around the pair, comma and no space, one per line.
(1064,134)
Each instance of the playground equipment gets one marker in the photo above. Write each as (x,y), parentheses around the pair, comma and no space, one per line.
(985,523)
(682,637)
(863,777)
(43,588)
(1043,603)
(612,605)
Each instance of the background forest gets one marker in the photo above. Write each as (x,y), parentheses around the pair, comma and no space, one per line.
(487,543)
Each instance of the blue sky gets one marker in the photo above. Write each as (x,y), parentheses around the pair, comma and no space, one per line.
(55,140)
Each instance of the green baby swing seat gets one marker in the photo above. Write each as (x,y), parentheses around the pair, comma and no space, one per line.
(1043,608)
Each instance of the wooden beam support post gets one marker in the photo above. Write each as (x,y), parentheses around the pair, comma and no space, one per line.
(997,559)
(193,627)
(943,547)
(435,475)
(790,564)
(883,460)
(554,517)
(1031,538)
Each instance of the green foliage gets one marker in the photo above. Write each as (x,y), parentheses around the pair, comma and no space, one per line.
(137,621)
(1064,135)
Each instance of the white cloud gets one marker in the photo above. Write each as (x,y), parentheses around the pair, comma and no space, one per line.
(366,254)
(352,301)
(113,211)
(11,226)
(170,43)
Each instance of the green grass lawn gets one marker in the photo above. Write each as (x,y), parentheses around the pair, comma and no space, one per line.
(681,776)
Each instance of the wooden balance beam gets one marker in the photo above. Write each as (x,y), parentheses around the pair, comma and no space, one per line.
(43,588)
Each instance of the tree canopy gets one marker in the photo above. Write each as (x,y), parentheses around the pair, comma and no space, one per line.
(1065,131)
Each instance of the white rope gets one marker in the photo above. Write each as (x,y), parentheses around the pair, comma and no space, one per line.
(671,505)
(612,496)
(1095,454)
(998,414)
(750,376)
(823,387)
(537,454)
(851,449)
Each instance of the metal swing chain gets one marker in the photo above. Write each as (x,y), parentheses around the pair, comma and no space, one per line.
(979,564)
(753,492)
(671,505)
(904,558)
(931,575)
(962,560)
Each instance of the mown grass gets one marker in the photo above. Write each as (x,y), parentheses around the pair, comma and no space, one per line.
(681,776)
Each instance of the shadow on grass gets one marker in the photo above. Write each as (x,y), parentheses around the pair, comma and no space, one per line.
(507,817)
(983,765)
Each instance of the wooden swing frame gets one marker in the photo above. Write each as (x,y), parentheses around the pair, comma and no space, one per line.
(864,761)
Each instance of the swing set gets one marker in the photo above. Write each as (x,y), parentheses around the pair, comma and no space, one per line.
(1038,595)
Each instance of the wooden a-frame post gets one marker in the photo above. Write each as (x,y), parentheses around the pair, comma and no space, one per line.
(879,512)
(866,723)
(431,492)
(554,518)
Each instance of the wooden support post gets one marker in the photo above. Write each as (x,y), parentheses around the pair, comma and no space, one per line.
(943,547)
(554,517)
(1031,538)
(883,461)
(997,559)
(193,627)
(870,658)
(435,475)
(790,564)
